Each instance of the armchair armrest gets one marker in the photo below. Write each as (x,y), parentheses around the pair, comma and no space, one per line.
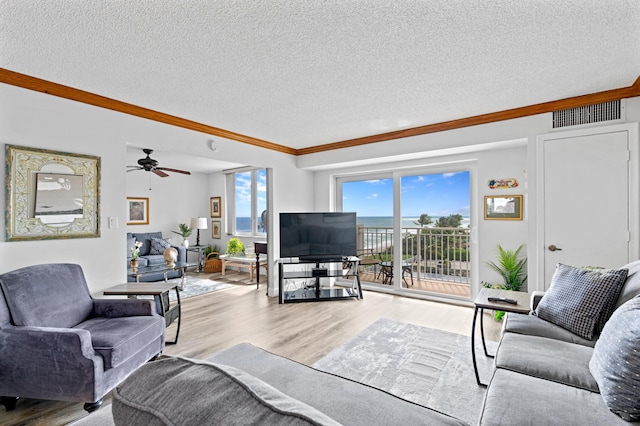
(33,360)
(536,296)
(115,308)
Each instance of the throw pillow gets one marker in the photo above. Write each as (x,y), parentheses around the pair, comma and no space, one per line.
(580,299)
(615,363)
(158,245)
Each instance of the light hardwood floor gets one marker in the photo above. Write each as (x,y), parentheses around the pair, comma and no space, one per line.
(304,332)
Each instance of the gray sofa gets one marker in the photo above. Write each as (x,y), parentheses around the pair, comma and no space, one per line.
(147,257)
(248,385)
(57,342)
(544,373)
(543,376)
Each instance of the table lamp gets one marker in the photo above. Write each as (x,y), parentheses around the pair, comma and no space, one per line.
(198,223)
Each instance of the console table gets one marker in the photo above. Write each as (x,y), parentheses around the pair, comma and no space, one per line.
(160,292)
(309,278)
(243,262)
(482,302)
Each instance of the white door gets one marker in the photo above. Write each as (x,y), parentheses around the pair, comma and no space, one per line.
(586,201)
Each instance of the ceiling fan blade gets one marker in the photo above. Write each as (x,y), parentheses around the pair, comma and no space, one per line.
(134,168)
(173,170)
(160,173)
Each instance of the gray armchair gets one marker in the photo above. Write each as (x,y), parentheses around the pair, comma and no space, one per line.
(57,342)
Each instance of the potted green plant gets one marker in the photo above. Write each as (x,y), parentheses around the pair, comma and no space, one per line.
(184,232)
(512,268)
(235,246)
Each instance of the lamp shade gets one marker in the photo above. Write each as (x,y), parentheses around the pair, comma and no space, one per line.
(199,223)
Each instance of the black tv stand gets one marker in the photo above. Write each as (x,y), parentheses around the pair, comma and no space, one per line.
(319,280)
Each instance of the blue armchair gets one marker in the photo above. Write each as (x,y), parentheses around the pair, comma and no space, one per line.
(57,342)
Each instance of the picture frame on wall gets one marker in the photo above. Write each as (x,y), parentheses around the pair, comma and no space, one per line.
(503,207)
(216,229)
(216,206)
(137,211)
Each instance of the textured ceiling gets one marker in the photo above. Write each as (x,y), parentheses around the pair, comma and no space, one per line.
(304,73)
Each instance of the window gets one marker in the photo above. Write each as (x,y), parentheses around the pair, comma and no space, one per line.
(249,201)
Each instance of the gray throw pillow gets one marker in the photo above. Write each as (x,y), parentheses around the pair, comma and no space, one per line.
(581,299)
(615,363)
(158,246)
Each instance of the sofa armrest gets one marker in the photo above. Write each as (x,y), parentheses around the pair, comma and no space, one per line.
(182,253)
(536,296)
(114,308)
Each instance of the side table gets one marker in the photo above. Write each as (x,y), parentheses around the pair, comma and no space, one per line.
(160,292)
(482,302)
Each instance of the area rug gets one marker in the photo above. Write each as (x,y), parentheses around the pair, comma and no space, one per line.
(430,367)
(196,286)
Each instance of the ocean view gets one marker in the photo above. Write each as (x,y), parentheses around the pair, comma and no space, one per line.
(407,222)
(243,224)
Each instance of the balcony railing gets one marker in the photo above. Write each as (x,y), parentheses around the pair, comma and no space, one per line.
(434,254)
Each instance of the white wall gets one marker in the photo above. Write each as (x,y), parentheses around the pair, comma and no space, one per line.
(37,120)
(498,150)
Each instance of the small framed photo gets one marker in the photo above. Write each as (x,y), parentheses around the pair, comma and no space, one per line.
(503,207)
(138,211)
(215,229)
(216,207)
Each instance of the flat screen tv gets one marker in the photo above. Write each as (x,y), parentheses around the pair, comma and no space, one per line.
(317,236)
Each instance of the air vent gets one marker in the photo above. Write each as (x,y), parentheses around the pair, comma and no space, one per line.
(596,113)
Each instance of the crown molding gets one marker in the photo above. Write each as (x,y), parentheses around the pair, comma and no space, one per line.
(39,85)
(33,83)
(577,101)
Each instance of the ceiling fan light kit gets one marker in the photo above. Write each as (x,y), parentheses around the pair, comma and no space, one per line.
(148,164)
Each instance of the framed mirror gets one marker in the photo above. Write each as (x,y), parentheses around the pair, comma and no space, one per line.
(51,194)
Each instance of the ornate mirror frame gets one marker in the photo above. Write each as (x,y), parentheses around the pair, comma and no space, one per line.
(24,221)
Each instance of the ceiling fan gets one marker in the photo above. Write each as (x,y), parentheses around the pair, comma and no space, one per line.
(150,165)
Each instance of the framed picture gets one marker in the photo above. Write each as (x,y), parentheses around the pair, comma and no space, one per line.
(503,207)
(138,211)
(216,206)
(51,194)
(216,229)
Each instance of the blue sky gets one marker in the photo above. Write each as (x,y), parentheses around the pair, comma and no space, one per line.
(435,194)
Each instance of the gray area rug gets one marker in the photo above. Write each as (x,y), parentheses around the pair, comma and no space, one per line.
(430,367)
(196,286)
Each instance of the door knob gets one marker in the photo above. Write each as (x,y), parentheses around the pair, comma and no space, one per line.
(552,247)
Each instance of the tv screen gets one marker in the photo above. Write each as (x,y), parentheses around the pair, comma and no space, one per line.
(317,236)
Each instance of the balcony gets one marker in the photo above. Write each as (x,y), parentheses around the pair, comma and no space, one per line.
(435,260)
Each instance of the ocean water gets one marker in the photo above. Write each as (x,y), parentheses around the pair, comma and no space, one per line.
(407,222)
(243,224)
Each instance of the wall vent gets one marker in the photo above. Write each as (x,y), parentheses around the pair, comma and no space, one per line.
(596,113)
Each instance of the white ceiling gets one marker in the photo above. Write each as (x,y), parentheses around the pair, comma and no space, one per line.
(304,73)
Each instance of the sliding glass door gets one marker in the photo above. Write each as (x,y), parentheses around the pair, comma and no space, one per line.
(425,215)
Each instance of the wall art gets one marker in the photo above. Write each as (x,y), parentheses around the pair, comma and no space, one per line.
(51,194)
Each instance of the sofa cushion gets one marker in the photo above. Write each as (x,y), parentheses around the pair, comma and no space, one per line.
(531,325)
(118,339)
(616,361)
(549,359)
(47,295)
(183,391)
(154,259)
(581,299)
(158,245)
(517,399)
